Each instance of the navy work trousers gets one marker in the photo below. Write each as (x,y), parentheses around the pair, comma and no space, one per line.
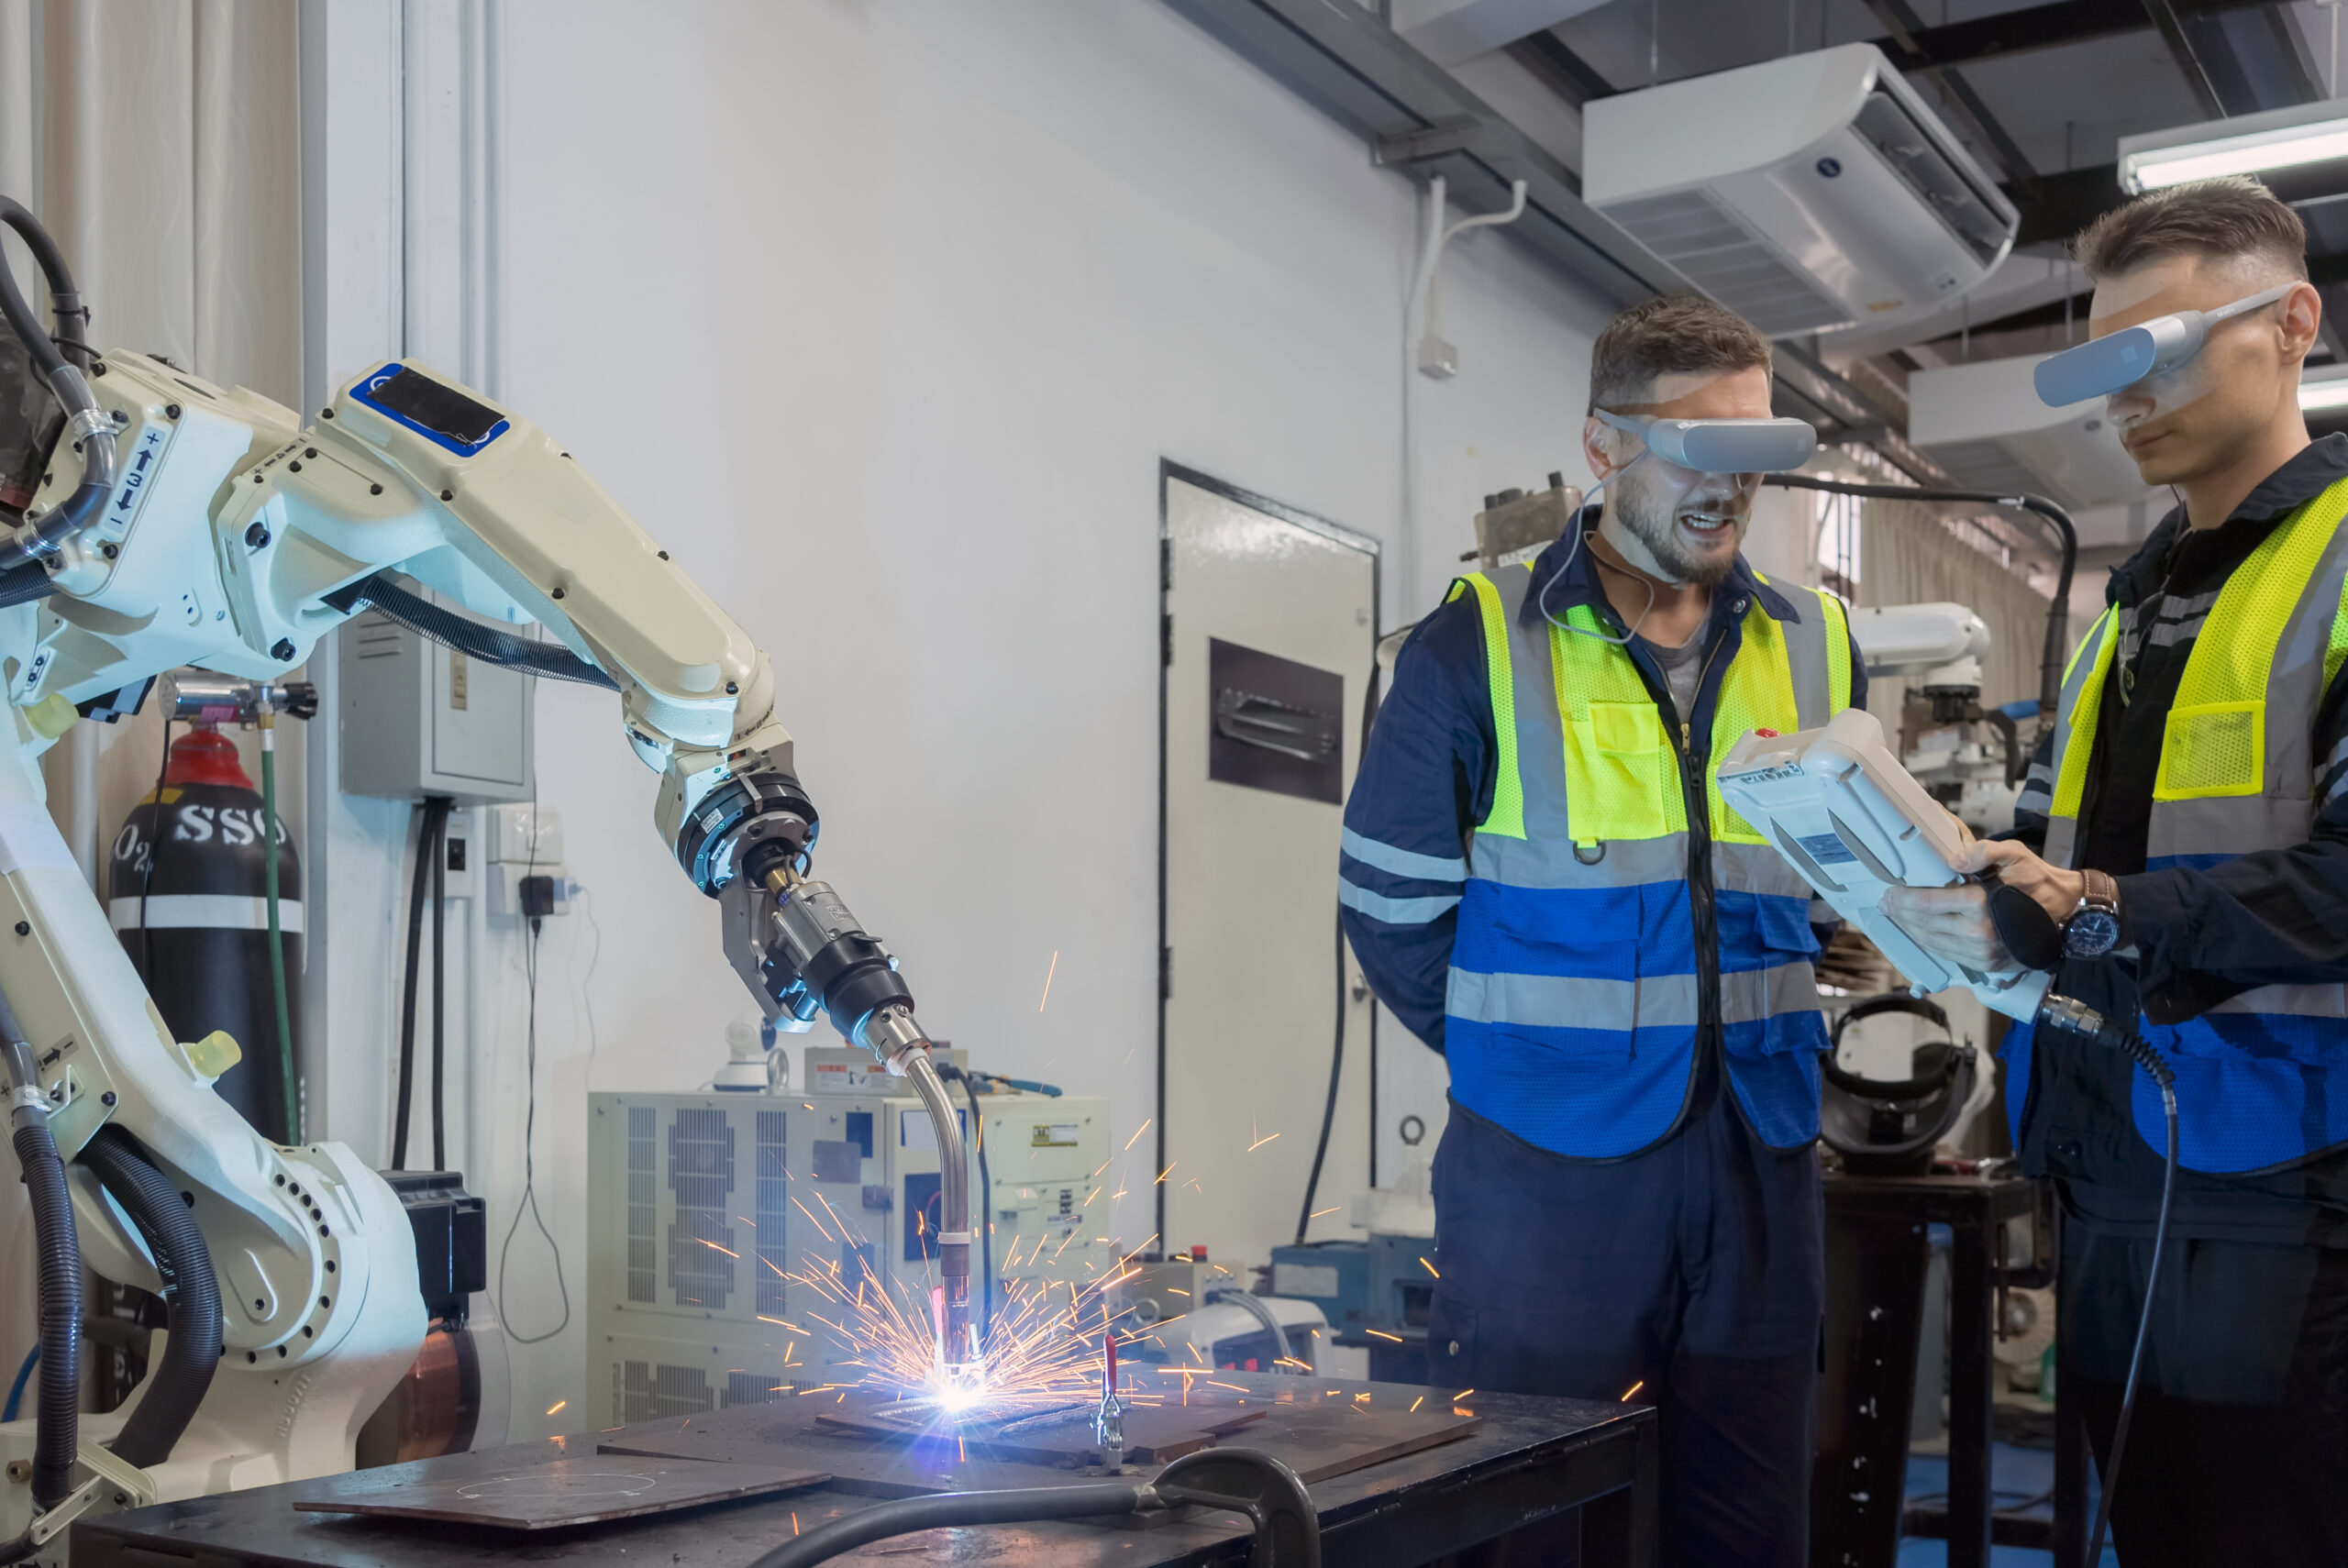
(2239,1452)
(1693,1273)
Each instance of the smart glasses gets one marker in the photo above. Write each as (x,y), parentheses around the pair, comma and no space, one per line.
(1721,446)
(2119,359)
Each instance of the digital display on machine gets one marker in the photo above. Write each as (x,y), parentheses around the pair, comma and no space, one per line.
(432,407)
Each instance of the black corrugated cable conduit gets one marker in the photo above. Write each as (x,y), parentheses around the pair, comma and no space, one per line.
(1287,1526)
(468,636)
(1337,1046)
(92,431)
(58,1252)
(2058,614)
(191,1292)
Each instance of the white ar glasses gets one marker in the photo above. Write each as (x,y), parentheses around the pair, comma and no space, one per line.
(2119,359)
(1721,446)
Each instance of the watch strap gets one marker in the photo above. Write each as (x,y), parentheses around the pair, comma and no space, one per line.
(2102,889)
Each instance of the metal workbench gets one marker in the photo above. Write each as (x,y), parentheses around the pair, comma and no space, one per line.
(1530,1466)
(1876,1252)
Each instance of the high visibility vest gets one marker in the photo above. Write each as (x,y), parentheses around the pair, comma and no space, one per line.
(2261,1078)
(1575,986)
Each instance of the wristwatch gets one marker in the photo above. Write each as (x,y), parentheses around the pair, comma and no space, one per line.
(2093,929)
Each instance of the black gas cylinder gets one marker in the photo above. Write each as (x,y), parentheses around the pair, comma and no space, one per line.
(195,917)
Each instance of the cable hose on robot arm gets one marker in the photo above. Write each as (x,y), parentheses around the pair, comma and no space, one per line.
(58,1247)
(91,430)
(191,1292)
(2075,1017)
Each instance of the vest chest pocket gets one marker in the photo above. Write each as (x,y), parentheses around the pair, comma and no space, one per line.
(1620,773)
(2212,748)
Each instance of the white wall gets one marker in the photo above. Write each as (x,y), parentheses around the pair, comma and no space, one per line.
(881,316)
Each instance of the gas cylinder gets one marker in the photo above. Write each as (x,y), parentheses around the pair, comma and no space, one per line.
(191,912)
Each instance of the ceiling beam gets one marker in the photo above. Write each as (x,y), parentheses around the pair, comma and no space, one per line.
(2197,74)
(1561,70)
(2035,27)
(1452,32)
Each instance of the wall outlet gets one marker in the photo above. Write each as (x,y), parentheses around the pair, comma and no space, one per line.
(525,831)
(507,899)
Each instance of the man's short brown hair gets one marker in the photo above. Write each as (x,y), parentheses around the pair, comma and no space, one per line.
(2230,218)
(1669,335)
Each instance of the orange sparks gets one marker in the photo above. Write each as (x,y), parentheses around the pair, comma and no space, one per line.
(1461,1394)
(819,1224)
(795,1521)
(714,1247)
(1167,1171)
(1139,1130)
(1384,1335)
(1430,1268)
(1419,1401)
(1331,1209)
(1047,980)
(558,1405)
(1633,1388)
(1261,1142)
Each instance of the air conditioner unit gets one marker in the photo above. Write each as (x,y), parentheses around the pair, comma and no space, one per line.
(1805,193)
(1984,424)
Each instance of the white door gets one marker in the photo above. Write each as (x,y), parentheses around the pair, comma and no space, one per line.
(1269,641)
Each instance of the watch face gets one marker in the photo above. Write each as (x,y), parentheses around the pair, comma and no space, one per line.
(2090,933)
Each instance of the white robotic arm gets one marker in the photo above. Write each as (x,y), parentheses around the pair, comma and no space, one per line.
(233,538)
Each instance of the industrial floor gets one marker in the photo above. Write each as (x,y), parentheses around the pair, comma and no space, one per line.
(2017,1472)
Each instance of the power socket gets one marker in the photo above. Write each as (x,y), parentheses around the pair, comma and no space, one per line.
(523,832)
(517,892)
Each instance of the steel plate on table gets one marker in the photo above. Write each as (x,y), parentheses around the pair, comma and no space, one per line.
(565,1492)
(1153,1436)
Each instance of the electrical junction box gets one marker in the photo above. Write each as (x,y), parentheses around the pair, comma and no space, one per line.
(707,1212)
(417,719)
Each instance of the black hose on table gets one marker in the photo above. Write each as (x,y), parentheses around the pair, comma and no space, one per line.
(191,1292)
(58,1252)
(903,1515)
(1287,1525)
(2058,614)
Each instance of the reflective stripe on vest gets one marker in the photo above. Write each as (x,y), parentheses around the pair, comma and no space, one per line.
(2262,1076)
(1573,1004)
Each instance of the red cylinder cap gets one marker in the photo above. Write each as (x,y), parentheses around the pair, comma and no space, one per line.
(1766,735)
(206,756)
(1199,1254)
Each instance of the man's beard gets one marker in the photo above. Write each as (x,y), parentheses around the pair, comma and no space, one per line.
(1656,526)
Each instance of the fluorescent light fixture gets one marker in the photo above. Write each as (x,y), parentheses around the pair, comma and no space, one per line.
(2328,393)
(2247,144)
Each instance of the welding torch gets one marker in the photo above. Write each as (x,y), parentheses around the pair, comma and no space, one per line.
(821,959)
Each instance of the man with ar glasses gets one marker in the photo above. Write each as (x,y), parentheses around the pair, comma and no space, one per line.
(2187,824)
(1540,879)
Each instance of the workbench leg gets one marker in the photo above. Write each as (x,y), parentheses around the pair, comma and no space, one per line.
(1621,1527)
(1972,1365)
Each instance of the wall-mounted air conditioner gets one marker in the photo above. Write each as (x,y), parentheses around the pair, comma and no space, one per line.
(1805,193)
(1984,424)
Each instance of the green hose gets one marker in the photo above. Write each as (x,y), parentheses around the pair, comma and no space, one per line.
(276,941)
